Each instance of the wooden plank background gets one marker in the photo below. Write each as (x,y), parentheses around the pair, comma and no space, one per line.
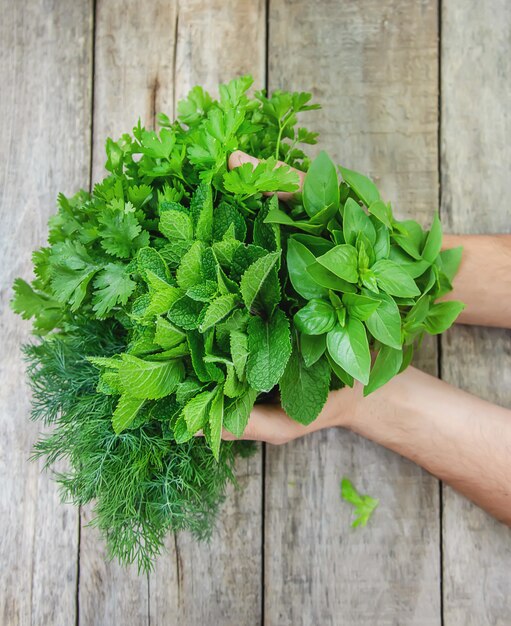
(415,93)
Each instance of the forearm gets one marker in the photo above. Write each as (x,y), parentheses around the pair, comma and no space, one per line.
(483,282)
(459,438)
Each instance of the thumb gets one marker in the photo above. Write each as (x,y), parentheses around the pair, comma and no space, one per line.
(238,157)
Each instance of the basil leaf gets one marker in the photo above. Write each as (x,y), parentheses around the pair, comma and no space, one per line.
(342,261)
(356,221)
(312,347)
(327,279)
(385,323)
(381,212)
(382,244)
(349,348)
(321,186)
(316,245)
(386,366)
(364,188)
(394,280)
(277,216)
(298,259)
(450,261)
(315,318)
(360,306)
(442,316)
(434,241)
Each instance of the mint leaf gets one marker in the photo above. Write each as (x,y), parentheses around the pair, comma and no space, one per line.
(216,420)
(149,380)
(239,352)
(125,412)
(269,345)
(304,390)
(364,506)
(237,412)
(217,310)
(254,277)
(195,412)
(176,225)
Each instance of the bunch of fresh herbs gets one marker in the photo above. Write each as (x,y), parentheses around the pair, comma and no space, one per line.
(176,293)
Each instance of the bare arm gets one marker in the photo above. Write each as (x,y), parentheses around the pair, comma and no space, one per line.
(459,438)
(483,282)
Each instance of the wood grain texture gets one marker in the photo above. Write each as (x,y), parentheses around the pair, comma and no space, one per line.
(373,64)
(476,185)
(219,582)
(134,65)
(45,73)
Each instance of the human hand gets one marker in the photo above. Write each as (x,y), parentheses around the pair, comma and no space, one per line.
(269,422)
(239,157)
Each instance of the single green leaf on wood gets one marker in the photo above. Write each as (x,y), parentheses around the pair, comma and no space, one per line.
(364,506)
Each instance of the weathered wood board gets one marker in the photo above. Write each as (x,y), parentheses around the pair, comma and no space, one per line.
(373,65)
(219,582)
(133,77)
(45,74)
(476,186)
